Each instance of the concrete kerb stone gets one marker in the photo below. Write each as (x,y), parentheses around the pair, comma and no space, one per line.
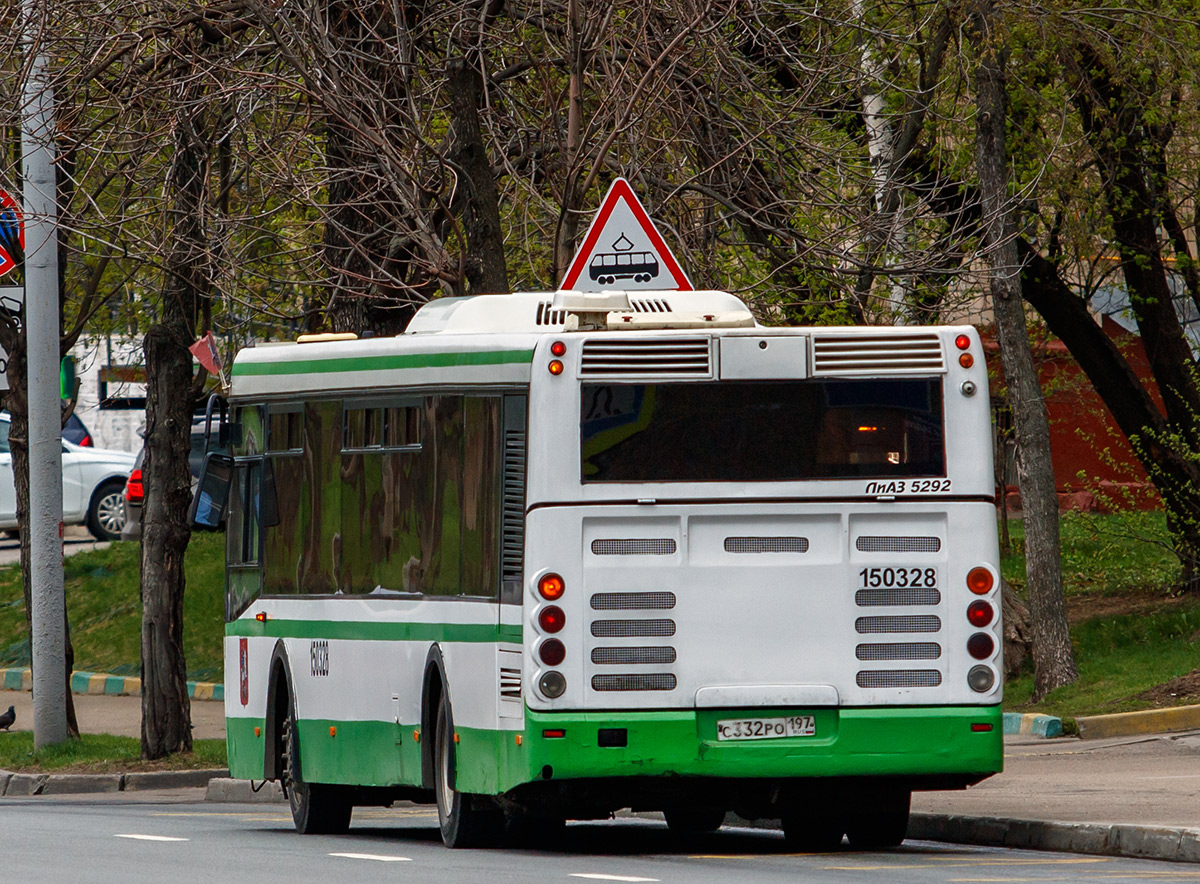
(231,791)
(103,683)
(1147,721)
(14,785)
(1033,724)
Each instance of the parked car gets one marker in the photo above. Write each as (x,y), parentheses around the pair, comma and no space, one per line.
(74,430)
(135,488)
(93,482)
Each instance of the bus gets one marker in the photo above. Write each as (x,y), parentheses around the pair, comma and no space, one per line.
(548,556)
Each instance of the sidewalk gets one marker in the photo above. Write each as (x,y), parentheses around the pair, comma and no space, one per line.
(1133,796)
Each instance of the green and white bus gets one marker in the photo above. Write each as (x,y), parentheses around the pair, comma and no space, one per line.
(547,556)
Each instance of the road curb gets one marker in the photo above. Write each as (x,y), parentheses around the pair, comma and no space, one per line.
(18,785)
(1032,724)
(225,790)
(1147,721)
(102,683)
(1171,843)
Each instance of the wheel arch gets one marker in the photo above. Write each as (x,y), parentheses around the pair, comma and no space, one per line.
(280,699)
(433,687)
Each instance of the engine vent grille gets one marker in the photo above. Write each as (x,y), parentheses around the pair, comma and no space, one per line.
(627,656)
(899,678)
(664,546)
(916,352)
(876,543)
(512,553)
(899,651)
(633,601)
(871,598)
(658,681)
(650,305)
(547,316)
(510,683)
(766,544)
(673,356)
(632,628)
(903,623)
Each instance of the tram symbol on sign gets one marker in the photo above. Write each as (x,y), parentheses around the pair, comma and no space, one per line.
(623,263)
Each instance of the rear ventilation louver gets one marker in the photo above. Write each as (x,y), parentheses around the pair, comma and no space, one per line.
(901,623)
(916,352)
(633,656)
(638,546)
(632,628)
(510,683)
(657,681)
(766,544)
(633,601)
(870,598)
(899,651)
(876,543)
(690,357)
(899,678)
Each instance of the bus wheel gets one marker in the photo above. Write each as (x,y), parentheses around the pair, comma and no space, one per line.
(317,809)
(812,833)
(882,822)
(694,821)
(465,820)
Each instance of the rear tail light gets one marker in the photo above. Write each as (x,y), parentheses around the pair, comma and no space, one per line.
(87,442)
(552,652)
(980,613)
(962,342)
(981,645)
(552,685)
(135,491)
(980,580)
(981,679)
(551,586)
(552,619)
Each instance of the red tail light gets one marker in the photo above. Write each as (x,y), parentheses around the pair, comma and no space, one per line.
(552,619)
(980,613)
(87,442)
(135,492)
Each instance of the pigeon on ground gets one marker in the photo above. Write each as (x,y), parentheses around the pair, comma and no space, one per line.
(8,718)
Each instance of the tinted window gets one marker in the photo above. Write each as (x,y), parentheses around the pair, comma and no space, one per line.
(762,431)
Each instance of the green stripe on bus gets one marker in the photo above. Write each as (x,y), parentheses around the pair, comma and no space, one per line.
(383,363)
(368,630)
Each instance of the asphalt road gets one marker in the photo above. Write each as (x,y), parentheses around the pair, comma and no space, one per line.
(174,837)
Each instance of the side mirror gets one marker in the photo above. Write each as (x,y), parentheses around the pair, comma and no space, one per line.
(212,493)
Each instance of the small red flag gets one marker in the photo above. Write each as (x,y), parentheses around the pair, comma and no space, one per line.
(205,351)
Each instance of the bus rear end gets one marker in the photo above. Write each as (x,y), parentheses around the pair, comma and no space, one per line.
(761,574)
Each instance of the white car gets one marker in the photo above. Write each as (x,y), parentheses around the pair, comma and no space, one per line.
(93,486)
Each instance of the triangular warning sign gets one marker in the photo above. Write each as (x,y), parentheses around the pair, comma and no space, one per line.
(622,250)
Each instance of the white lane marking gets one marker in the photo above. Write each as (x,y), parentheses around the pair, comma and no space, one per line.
(375,856)
(151,837)
(599,877)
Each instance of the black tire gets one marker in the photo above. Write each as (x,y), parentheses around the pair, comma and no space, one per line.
(813,833)
(106,511)
(694,821)
(882,823)
(465,820)
(317,808)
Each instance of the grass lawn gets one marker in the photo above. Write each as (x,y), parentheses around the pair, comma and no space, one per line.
(1129,632)
(105,611)
(100,753)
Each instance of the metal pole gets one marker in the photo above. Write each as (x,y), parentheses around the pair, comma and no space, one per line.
(48,614)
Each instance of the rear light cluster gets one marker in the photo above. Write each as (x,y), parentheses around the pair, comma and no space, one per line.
(551,651)
(558,348)
(965,359)
(981,613)
(135,491)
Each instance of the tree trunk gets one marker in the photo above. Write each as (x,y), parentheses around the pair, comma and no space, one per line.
(166,708)
(1053,658)
(476,202)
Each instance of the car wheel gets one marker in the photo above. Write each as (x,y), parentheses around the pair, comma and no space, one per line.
(106,512)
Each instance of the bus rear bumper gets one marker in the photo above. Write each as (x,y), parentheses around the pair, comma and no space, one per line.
(940,747)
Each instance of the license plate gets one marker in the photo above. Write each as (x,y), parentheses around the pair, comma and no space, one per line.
(766,728)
